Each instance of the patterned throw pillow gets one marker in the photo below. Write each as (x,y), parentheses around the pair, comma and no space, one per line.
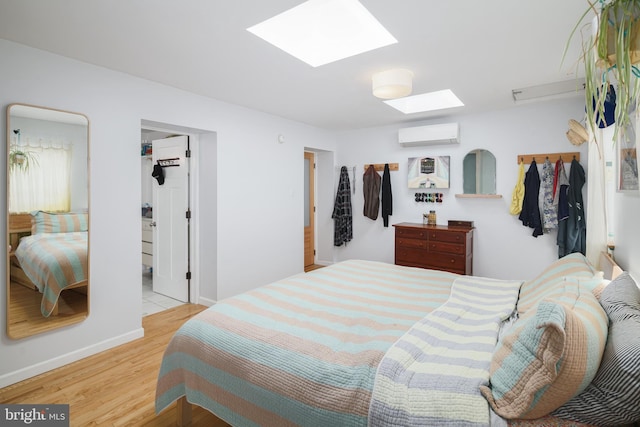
(551,354)
(613,398)
(47,222)
(534,291)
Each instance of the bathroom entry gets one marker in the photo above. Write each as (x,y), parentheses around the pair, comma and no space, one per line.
(171,217)
(157,283)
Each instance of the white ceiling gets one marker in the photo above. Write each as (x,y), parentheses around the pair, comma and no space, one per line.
(479,49)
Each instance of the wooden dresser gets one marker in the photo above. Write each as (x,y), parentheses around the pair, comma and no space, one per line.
(438,247)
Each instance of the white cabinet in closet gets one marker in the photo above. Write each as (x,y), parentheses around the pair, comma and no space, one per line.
(147,242)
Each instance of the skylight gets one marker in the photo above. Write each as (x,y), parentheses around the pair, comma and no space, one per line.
(322,31)
(439,100)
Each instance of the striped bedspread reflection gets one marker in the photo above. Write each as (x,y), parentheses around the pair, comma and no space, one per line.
(53,262)
(300,351)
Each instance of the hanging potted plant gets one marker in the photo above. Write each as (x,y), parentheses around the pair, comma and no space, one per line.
(21,159)
(610,55)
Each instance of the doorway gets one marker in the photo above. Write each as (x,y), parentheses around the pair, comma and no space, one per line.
(309,211)
(165,267)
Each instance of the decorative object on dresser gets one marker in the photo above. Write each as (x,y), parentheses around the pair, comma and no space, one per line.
(438,247)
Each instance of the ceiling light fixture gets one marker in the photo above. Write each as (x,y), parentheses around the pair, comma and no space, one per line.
(430,101)
(392,84)
(322,31)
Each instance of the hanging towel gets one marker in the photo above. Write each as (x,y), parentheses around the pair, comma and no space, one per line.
(572,232)
(371,183)
(530,215)
(518,192)
(549,212)
(387,198)
(342,216)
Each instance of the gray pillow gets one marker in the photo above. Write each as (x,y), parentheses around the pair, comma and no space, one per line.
(613,397)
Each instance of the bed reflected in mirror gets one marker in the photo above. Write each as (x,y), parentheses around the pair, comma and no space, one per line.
(479,170)
(47,219)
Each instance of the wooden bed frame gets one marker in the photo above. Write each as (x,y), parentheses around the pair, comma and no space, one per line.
(605,263)
(19,225)
(608,265)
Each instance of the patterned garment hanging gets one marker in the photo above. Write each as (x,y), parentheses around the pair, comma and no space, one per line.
(342,213)
(549,211)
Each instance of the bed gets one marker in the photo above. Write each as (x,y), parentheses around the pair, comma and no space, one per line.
(364,343)
(53,258)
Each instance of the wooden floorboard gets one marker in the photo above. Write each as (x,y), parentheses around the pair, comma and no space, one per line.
(115,387)
(312,267)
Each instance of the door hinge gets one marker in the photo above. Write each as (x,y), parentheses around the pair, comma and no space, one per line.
(188,214)
(314,209)
(187,153)
(314,251)
(188,275)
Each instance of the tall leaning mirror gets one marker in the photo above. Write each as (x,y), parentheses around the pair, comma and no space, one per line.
(47,219)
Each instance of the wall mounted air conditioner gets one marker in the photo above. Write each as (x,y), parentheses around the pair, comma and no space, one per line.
(445,133)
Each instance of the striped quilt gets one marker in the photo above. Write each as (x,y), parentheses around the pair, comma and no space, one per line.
(53,262)
(432,375)
(300,351)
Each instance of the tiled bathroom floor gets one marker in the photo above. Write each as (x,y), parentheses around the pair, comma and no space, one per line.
(151,301)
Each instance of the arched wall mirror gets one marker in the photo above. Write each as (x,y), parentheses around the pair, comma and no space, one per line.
(47,219)
(479,169)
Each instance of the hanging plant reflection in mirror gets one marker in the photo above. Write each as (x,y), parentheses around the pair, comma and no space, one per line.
(20,158)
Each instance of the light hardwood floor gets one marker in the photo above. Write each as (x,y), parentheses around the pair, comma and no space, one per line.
(312,267)
(115,387)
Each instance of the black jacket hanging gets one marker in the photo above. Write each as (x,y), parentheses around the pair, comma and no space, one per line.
(530,214)
(387,198)
(158,173)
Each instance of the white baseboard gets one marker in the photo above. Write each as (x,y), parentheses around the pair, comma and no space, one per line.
(42,367)
(206,301)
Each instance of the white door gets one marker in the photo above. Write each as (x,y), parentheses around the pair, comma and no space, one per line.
(170,216)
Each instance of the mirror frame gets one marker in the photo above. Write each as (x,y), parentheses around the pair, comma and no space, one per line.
(28,323)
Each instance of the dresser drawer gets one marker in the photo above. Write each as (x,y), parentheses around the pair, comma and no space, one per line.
(411,233)
(411,256)
(447,236)
(450,248)
(147,236)
(147,248)
(453,263)
(411,243)
(147,259)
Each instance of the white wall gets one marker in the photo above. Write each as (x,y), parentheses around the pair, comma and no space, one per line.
(503,247)
(259,194)
(250,193)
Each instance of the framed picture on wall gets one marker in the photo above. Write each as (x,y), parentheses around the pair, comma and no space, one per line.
(428,172)
(628,169)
